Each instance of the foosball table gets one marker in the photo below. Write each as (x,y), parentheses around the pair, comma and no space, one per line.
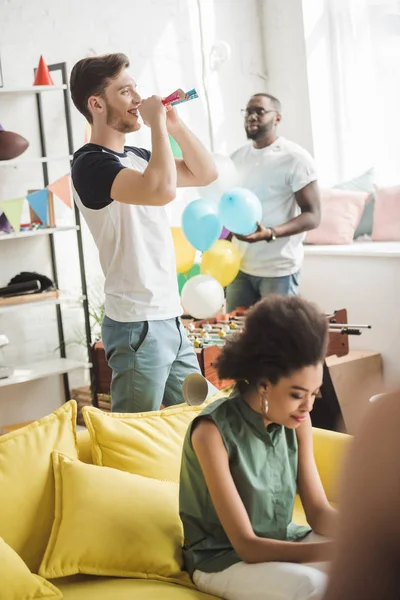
(209,336)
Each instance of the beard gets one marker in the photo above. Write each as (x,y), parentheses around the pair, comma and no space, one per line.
(260,133)
(115,121)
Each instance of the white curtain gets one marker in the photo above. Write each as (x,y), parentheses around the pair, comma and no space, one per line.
(353,54)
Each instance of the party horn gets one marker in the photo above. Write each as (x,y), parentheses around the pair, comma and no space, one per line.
(178,95)
(191,95)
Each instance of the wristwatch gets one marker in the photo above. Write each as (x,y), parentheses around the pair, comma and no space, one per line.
(273,235)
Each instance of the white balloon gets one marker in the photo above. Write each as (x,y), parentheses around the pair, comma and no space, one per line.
(228,177)
(202,297)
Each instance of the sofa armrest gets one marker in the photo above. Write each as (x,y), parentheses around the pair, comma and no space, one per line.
(330,449)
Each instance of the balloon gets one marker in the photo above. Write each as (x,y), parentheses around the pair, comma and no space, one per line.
(184,252)
(228,178)
(224,233)
(221,261)
(240,210)
(184,277)
(202,297)
(195,270)
(176,150)
(181,281)
(201,224)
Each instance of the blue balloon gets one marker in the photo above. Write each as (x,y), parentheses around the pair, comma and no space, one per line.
(240,210)
(201,224)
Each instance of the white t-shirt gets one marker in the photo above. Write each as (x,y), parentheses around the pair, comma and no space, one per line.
(135,243)
(274,174)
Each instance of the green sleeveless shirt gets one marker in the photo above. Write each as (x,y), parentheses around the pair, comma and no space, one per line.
(263,463)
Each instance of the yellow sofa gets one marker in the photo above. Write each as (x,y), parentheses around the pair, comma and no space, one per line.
(142,448)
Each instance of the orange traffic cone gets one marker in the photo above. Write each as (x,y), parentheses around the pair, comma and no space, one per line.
(43,76)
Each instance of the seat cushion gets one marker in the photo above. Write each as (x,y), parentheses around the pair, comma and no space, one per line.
(104,588)
(27,483)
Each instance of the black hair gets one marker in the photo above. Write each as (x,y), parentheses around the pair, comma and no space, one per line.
(281,334)
(274,101)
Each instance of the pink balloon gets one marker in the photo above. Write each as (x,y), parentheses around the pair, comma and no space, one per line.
(224,233)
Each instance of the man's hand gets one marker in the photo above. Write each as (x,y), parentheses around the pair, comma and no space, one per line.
(173,120)
(261,234)
(152,110)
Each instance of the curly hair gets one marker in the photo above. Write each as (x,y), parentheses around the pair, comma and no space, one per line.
(281,335)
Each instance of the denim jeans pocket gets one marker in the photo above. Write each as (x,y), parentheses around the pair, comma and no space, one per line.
(138,334)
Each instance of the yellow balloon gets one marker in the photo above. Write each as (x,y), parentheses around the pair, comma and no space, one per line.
(221,261)
(184,252)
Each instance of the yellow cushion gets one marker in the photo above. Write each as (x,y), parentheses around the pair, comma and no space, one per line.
(105,588)
(148,444)
(16,580)
(27,482)
(108,522)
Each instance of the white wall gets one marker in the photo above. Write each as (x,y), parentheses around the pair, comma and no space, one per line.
(369,288)
(162,39)
(282,29)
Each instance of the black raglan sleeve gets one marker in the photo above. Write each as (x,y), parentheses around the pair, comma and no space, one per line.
(93,174)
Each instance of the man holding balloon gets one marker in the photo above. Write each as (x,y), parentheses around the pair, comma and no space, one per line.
(283,176)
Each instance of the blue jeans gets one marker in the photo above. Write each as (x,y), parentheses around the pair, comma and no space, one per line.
(246,290)
(149,360)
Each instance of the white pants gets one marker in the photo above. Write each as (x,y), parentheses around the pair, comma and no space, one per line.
(267,581)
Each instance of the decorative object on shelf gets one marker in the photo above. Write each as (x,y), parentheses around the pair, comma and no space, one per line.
(40,201)
(4,370)
(62,189)
(5,224)
(27,283)
(11,144)
(41,207)
(42,74)
(13,211)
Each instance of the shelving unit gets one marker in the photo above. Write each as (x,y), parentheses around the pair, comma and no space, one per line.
(29,160)
(62,365)
(41,369)
(36,89)
(36,300)
(4,237)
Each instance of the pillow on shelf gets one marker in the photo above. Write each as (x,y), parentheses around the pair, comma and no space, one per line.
(27,481)
(147,444)
(341,212)
(387,215)
(363,183)
(106,521)
(17,582)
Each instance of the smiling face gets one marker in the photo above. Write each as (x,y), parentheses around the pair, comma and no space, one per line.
(118,106)
(292,398)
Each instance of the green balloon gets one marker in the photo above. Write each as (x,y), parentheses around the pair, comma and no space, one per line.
(195,270)
(181,281)
(176,151)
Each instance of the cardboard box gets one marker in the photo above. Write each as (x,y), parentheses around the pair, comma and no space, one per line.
(356,378)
